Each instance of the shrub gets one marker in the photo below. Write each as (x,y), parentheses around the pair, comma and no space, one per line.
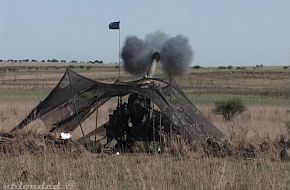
(97,61)
(221,67)
(196,67)
(285,67)
(229,108)
(260,66)
(229,67)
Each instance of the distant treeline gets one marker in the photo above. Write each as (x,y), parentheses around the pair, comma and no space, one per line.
(16,68)
(50,61)
(239,68)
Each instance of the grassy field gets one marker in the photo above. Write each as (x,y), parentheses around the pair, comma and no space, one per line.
(266,93)
(145,172)
(203,86)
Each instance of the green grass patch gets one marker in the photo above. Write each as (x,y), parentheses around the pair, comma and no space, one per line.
(201,98)
(23,94)
(196,98)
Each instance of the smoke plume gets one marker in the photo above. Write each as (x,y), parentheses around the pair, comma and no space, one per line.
(156,40)
(176,53)
(136,55)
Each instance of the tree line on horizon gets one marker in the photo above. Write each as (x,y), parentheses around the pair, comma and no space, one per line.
(50,61)
(101,62)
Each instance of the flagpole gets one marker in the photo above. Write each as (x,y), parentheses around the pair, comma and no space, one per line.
(119,48)
(119,98)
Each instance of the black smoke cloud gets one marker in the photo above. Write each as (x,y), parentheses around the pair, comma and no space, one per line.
(176,53)
(156,40)
(135,55)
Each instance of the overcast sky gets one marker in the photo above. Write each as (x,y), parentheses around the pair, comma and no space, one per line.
(221,32)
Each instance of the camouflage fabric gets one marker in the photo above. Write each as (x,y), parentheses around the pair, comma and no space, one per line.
(76,97)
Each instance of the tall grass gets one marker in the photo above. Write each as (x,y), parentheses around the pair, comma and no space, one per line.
(265,117)
(146,172)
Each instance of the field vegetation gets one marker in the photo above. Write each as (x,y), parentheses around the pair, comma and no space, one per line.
(264,91)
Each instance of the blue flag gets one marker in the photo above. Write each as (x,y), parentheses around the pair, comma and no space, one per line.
(114,25)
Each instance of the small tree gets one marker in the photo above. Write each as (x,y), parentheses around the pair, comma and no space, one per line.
(196,67)
(221,67)
(229,108)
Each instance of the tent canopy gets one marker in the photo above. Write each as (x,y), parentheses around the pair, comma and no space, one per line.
(76,97)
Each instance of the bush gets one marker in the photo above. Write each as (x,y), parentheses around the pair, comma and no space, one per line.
(229,108)
(97,61)
(196,67)
(221,67)
(260,66)
(229,67)
(285,67)
(52,60)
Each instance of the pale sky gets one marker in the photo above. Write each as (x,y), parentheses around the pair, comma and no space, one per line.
(221,32)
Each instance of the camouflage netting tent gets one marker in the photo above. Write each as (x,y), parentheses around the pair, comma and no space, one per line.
(76,97)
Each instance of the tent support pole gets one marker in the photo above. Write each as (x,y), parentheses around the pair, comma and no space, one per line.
(75,107)
(153,123)
(170,130)
(160,138)
(97,114)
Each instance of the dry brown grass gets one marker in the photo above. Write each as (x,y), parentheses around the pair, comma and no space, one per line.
(256,121)
(145,172)
(141,171)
